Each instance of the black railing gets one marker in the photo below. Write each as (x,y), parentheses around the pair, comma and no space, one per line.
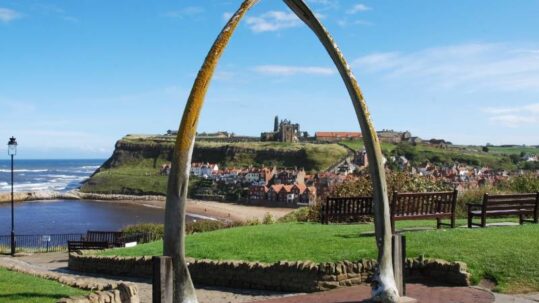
(38,243)
(58,242)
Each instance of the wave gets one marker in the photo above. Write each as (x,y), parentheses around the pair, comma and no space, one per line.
(90,167)
(24,170)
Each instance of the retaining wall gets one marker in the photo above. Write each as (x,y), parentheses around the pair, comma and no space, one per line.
(280,276)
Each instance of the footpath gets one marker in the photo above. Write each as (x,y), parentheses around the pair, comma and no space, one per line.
(57,263)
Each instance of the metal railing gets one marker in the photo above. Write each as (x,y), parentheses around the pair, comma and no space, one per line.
(38,243)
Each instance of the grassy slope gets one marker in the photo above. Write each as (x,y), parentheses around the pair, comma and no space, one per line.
(20,288)
(507,254)
(496,158)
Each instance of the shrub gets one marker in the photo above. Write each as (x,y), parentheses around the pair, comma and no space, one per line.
(154,231)
(528,183)
(251,222)
(203,226)
(302,214)
(396,181)
(268,219)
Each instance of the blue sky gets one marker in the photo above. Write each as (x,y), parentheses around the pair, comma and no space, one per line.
(77,75)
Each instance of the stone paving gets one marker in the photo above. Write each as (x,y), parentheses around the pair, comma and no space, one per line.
(57,262)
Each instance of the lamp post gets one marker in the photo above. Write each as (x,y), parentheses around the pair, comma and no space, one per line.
(12,151)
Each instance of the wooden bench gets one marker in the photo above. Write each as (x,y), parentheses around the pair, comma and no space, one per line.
(87,245)
(345,210)
(404,206)
(419,206)
(522,205)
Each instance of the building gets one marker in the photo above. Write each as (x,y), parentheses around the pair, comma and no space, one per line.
(337,136)
(283,131)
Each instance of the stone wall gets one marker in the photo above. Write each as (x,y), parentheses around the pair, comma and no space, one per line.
(280,276)
(122,294)
(103,292)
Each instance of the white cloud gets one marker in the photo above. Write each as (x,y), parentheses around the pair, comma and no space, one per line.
(358,8)
(189,11)
(273,21)
(8,15)
(284,70)
(473,67)
(344,22)
(514,116)
(227,16)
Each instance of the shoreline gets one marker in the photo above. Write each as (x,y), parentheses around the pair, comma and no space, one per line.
(210,210)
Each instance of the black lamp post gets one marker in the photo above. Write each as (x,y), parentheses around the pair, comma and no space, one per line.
(12,151)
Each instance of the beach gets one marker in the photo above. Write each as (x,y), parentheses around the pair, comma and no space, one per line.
(196,208)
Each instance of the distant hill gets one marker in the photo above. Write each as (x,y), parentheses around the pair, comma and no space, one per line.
(134,165)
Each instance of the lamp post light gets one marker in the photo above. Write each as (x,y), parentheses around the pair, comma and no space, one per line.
(12,151)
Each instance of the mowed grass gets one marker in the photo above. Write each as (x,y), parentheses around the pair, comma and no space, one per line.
(21,288)
(507,255)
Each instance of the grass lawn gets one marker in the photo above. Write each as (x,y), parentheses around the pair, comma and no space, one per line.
(508,255)
(21,288)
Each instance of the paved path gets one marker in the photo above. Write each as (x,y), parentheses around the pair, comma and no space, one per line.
(423,294)
(57,262)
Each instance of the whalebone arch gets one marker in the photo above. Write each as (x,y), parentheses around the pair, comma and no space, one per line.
(174,242)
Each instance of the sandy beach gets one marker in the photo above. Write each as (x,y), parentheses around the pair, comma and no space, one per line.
(218,210)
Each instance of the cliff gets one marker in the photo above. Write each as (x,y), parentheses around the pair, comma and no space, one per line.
(134,165)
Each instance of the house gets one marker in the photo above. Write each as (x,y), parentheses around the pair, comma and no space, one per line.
(258,192)
(204,170)
(289,177)
(337,136)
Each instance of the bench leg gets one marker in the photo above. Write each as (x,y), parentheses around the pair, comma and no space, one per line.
(521,219)
(453,221)
(438,223)
(483,221)
(470,220)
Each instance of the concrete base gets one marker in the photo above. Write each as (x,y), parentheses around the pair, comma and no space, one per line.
(407,300)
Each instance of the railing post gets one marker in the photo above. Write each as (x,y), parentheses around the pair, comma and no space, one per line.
(162,287)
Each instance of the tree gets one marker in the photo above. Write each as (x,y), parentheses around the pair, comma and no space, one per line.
(485,149)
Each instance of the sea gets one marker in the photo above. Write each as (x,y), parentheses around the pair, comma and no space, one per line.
(64,216)
(41,175)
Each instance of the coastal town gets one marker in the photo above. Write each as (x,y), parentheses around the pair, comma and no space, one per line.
(294,186)
(257,151)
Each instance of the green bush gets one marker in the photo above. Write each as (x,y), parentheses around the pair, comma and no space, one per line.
(204,226)
(155,231)
(302,214)
(268,219)
(396,181)
(528,183)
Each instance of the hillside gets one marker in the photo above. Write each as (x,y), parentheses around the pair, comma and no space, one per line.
(496,157)
(134,165)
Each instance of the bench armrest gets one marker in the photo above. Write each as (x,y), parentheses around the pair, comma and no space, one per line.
(473,205)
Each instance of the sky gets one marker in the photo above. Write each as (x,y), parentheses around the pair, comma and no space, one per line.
(75,76)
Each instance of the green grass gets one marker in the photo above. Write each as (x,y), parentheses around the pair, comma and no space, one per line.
(508,255)
(21,288)
(387,148)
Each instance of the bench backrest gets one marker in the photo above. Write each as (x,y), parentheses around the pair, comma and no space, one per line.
(527,202)
(105,236)
(420,204)
(349,209)
(86,245)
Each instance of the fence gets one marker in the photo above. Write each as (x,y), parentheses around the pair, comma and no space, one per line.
(38,243)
